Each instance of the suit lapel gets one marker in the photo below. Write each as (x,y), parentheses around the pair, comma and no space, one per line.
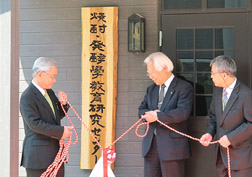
(55,106)
(154,98)
(219,109)
(41,99)
(169,93)
(233,97)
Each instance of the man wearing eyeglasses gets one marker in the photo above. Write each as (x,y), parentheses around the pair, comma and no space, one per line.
(41,112)
(169,99)
(230,119)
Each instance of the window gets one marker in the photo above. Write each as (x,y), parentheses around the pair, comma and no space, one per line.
(203,4)
(226,3)
(182,4)
(195,48)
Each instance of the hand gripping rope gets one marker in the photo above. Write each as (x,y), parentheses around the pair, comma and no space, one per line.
(62,155)
(109,155)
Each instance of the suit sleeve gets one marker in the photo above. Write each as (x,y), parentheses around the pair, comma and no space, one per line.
(32,117)
(211,124)
(243,131)
(143,107)
(183,106)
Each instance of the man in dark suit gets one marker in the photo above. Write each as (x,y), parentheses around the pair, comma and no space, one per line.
(230,119)
(41,112)
(169,100)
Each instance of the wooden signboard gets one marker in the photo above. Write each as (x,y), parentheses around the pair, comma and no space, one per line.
(99,80)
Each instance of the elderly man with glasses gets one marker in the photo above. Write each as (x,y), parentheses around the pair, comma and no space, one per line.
(42,112)
(230,120)
(169,99)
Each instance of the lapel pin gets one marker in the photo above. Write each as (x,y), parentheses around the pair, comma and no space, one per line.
(171,93)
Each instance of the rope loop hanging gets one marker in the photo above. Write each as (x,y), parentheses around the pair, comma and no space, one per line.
(108,153)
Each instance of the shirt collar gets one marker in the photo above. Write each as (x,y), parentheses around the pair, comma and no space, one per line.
(231,87)
(42,91)
(168,82)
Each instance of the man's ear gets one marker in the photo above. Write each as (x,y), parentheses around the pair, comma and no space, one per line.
(39,74)
(165,68)
(225,75)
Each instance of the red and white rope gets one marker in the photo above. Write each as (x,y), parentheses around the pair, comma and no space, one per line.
(183,134)
(60,158)
(89,131)
(197,139)
(63,154)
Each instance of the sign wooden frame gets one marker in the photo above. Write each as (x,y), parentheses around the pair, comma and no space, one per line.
(99,80)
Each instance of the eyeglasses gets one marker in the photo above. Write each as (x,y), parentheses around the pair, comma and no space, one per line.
(213,73)
(151,73)
(51,76)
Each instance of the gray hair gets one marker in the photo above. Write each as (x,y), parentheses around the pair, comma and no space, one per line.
(160,60)
(224,64)
(42,64)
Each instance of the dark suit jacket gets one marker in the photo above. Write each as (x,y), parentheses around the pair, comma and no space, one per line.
(235,122)
(42,129)
(175,112)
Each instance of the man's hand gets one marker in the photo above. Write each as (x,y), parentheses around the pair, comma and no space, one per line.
(62,97)
(224,142)
(150,116)
(67,132)
(206,139)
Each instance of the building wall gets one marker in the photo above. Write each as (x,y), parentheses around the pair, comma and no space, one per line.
(52,28)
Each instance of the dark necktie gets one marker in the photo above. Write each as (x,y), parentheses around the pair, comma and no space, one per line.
(160,101)
(161,96)
(224,98)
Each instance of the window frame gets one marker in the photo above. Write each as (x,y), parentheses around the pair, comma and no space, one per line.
(203,9)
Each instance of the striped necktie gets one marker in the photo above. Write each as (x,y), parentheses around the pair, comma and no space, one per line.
(161,96)
(224,98)
(160,101)
(50,102)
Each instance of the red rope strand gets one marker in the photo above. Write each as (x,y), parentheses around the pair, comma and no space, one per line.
(63,154)
(188,136)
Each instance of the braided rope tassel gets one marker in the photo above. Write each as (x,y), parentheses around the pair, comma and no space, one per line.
(63,154)
(60,158)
